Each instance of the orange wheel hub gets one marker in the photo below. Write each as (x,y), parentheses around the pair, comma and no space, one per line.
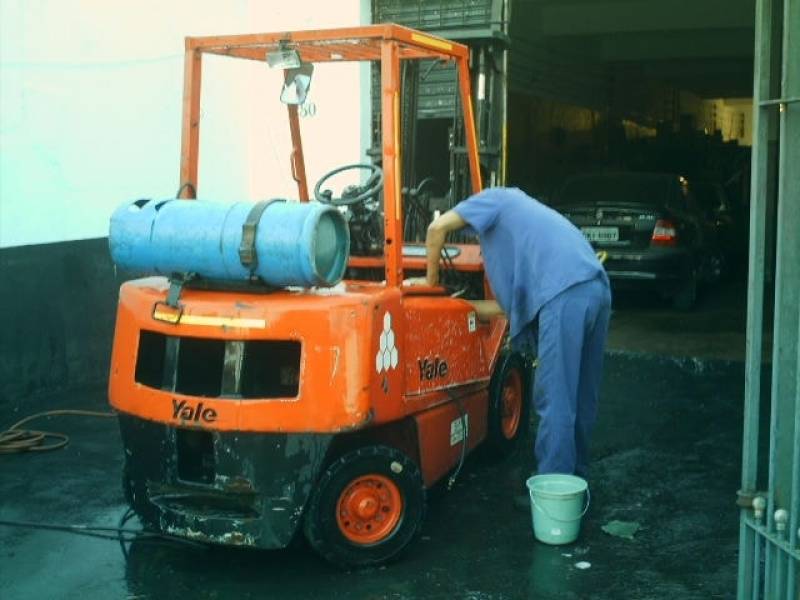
(511,404)
(369,509)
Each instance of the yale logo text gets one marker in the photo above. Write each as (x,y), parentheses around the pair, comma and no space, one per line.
(186,412)
(430,369)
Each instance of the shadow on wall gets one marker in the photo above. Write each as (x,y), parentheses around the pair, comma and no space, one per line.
(57,315)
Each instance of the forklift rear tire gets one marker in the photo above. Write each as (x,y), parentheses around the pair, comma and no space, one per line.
(367,507)
(509,405)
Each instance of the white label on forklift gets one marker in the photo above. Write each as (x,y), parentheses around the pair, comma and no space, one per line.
(458,428)
(472,322)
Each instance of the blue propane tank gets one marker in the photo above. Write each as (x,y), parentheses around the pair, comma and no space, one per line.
(282,243)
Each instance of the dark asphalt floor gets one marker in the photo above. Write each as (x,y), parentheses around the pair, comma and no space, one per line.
(667,455)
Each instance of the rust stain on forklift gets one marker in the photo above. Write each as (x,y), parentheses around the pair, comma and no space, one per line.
(250,416)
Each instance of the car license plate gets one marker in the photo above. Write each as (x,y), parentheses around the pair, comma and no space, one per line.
(601,234)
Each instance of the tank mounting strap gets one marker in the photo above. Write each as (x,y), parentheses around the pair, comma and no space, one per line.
(247,249)
(175,287)
(171,310)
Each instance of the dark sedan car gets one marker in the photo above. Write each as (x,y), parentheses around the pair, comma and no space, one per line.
(650,226)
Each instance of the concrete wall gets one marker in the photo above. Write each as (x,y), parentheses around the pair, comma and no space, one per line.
(90,113)
(57,310)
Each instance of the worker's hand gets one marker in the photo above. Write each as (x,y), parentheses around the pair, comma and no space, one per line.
(415,282)
(486,309)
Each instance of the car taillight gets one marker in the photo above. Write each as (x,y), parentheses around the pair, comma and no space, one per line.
(664,233)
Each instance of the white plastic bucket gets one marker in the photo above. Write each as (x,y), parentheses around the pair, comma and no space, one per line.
(558,502)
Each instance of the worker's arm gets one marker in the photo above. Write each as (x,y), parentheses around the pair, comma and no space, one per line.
(486,309)
(434,241)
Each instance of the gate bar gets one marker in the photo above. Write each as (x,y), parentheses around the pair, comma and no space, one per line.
(755,287)
(783,461)
(779,101)
(794,503)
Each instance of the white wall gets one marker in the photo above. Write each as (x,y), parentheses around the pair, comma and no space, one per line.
(90,108)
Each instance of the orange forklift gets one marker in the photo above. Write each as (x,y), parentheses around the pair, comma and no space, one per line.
(251,413)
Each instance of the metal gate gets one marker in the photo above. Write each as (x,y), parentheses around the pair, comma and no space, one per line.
(769,555)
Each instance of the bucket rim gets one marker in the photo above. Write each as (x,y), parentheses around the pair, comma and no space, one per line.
(580,482)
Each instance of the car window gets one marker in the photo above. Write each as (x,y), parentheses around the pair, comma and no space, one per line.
(623,188)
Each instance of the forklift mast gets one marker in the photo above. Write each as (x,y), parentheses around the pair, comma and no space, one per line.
(431,113)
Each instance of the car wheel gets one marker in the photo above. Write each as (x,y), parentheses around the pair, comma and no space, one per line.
(366,508)
(508,405)
(687,294)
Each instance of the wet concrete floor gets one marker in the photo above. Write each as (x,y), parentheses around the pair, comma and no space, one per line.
(713,329)
(666,455)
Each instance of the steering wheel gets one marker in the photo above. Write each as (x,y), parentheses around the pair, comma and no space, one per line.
(352,194)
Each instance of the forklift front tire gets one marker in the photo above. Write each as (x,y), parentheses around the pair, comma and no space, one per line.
(508,405)
(367,507)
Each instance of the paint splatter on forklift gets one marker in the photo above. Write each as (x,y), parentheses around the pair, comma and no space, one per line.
(253,410)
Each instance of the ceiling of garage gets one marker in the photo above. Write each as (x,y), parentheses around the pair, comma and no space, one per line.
(701,46)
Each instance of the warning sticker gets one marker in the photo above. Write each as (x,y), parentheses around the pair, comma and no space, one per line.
(458,429)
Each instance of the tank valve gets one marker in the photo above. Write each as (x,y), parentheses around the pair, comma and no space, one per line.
(759,504)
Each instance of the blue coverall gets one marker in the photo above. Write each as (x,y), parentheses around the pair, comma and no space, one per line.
(546,277)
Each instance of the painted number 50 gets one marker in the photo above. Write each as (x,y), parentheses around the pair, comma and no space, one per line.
(309,109)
